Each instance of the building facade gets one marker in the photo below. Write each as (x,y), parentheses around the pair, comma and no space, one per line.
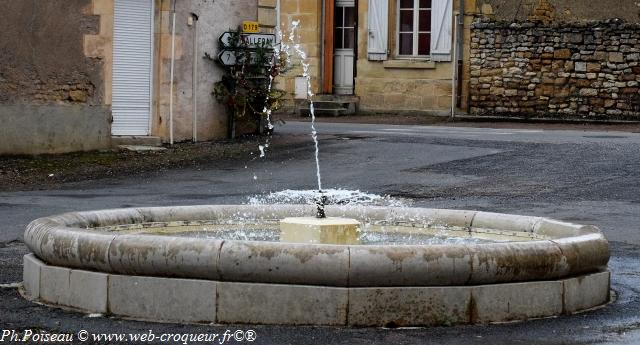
(394,56)
(76,73)
(525,59)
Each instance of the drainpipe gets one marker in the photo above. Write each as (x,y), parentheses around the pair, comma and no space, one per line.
(195,77)
(278,28)
(461,47)
(173,58)
(322,45)
(454,68)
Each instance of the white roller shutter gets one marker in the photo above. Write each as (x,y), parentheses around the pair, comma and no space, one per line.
(441,21)
(132,64)
(378,23)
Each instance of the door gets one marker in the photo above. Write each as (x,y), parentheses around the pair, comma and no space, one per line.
(132,67)
(344,44)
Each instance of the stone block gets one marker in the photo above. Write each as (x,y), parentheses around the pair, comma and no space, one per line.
(163,299)
(517,261)
(593,67)
(558,229)
(581,66)
(267,16)
(516,301)
(562,54)
(584,253)
(410,306)
(88,291)
(409,266)
(102,6)
(281,304)
(267,3)
(616,57)
(289,6)
(290,263)
(54,285)
(174,256)
(329,230)
(500,221)
(588,92)
(97,46)
(586,292)
(309,6)
(31,275)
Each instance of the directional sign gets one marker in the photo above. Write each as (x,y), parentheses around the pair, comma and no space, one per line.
(229,58)
(252,40)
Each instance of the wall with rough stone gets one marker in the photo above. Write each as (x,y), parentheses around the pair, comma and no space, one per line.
(41,53)
(45,75)
(562,11)
(580,70)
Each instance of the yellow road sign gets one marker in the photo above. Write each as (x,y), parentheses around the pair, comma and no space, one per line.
(251,27)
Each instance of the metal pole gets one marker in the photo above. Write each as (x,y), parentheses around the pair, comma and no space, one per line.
(195,77)
(454,68)
(173,57)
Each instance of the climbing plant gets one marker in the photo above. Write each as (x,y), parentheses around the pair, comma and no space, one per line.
(246,88)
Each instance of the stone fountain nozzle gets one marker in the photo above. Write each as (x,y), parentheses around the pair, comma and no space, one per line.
(321,201)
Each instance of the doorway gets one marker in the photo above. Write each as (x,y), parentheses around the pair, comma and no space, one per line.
(344,46)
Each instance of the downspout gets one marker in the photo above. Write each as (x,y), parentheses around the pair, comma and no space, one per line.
(457,31)
(461,45)
(454,68)
(278,23)
(195,77)
(323,42)
(173,58)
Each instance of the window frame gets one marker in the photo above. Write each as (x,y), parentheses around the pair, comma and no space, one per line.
(416,31)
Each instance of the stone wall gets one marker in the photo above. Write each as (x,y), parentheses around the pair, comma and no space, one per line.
(580,70)
(560,11)
(42,58)
(53,94)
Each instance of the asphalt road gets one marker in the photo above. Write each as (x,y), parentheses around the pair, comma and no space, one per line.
(584,177)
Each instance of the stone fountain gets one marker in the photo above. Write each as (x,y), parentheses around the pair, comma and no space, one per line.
(375,266)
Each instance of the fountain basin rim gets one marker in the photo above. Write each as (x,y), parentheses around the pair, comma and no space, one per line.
(569,250)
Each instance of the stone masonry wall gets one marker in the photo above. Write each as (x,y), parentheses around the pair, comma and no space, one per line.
(581,70)
(42,59)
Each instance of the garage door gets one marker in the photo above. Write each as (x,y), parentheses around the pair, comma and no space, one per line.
(132,64)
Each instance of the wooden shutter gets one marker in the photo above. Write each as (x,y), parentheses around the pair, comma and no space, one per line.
(378,24)
(441,22)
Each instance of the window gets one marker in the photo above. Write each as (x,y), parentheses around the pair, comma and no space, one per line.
(414,28)
(345,23)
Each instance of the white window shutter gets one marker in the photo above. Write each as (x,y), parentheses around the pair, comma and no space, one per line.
(441,21)
(378,29)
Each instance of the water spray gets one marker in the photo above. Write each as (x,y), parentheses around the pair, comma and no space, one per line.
(321,201)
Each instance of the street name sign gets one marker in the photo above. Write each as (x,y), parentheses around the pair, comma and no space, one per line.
(252,40)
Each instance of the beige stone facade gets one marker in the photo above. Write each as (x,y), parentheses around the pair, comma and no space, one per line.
(212,20)
(395,85)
